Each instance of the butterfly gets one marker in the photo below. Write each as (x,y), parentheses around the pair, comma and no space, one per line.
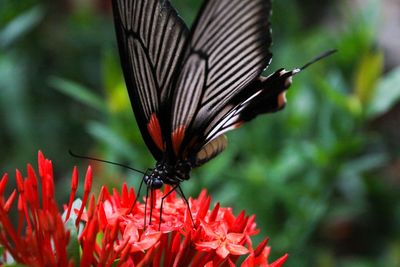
(189,87)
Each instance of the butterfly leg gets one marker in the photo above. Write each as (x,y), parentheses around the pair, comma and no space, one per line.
(145,208)
(180,192)
(162,203)
(152,203)
(136,198)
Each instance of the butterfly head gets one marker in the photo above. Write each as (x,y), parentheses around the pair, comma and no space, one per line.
(153,180)
(165,173)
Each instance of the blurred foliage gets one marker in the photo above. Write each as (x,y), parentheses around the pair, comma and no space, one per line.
(322,175)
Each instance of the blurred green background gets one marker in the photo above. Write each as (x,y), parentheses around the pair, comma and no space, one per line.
(322,176)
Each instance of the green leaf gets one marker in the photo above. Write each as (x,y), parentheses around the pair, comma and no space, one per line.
(116,94)
(387,94)
(20,26)
(339,98)
(109,136)
(73,248)
(367,76)
(78,92)
(76,205)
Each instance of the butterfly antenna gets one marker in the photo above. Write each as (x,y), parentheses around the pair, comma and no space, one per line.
(105,161)
(317,58)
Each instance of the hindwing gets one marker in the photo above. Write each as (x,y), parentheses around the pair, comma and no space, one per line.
(227,50)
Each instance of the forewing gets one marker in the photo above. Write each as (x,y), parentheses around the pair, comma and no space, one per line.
(228,50)
(151,38)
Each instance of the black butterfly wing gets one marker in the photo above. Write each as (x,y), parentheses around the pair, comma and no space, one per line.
(151,38)
(228,49)
(263,95)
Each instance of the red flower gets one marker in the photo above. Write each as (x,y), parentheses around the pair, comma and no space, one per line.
(40,237)
(221,241)
(110,229)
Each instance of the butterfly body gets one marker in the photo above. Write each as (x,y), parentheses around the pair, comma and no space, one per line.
(164,173)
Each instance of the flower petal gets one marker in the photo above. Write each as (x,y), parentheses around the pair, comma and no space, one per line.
(235,249)
(207,246)
(235,237)
(222,251)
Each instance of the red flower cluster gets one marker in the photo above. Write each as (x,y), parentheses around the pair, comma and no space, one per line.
(112,230)
(39,237)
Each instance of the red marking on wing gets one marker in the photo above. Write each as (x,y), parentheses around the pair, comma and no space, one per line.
(282,100)
(155,131)
(177,138)
(238,124)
